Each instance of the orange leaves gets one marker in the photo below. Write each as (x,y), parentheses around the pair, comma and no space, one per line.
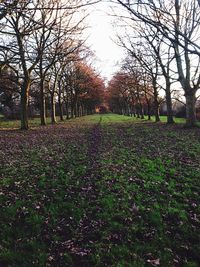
(88,84)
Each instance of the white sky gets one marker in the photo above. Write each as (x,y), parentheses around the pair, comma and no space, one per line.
(101,33)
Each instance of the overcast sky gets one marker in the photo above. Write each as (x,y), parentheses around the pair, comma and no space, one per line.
(101,33)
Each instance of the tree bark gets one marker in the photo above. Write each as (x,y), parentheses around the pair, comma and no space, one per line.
(60,108)
(170,118)
(72,101)
(126,109)
(133,111)
(156,111)
(67,110)
(185,79)
(53,109)
(78,110)
(141,112)
(24,104)
(75,108)
(148,110)
(42,104)
(81,110)
(190,109)
(72,110)
(156,103)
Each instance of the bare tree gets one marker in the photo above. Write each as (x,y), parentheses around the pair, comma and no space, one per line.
(6,7)
(45,40)
(189,79)
(165,57)
(29,31)
(57,39)
(179,23)
(148,61)
(135,85)
(19,27)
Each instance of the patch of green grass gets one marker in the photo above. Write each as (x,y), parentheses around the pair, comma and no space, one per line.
(15,124)
(177,120)
(105,119)
(102,190)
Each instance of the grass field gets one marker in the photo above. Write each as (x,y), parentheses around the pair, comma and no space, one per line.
(102,190)
(15,124)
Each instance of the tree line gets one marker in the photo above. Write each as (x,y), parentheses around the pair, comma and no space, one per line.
(161,40)
(43,58)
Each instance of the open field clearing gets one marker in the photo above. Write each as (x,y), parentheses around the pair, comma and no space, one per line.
(101,190)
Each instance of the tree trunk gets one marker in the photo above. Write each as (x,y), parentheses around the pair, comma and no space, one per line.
(60,103)
(156,111)
(78,111)
(190,109)
(133,110)
(140,107)
(42,104)
(72,109)
(185,82)
(75,108)
(148,110)
(126,109)
(24,104)
(53,109)
(60,108)
(81,110)
(137,111)
(141,111)
(67,110)
(170,118)
(156,103)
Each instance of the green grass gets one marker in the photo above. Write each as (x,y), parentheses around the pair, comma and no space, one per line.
(110,118)
(15,124)
(101,190)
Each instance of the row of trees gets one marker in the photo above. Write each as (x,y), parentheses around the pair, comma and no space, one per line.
(43,59)
(77,91)
(42,55)
(130,92)
(161,39)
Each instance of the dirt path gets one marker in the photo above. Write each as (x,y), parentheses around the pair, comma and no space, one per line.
(87,231)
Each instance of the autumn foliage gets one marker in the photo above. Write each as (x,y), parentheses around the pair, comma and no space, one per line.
(130,94)
(89,87)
